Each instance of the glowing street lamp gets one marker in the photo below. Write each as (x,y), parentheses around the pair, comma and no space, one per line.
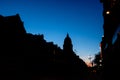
(107,12)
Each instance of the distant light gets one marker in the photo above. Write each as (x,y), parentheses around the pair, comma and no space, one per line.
(107,12)
(100,60)
(100,64)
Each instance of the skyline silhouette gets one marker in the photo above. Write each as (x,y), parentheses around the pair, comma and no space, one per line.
(82,19)
(31,56)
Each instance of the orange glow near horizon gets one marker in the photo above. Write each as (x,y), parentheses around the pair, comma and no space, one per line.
(88,64)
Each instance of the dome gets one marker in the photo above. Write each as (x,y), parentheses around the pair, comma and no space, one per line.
(67,43)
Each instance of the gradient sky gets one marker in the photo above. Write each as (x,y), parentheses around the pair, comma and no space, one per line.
(82,19)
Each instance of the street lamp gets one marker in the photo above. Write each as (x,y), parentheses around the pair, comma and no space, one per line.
(107,12)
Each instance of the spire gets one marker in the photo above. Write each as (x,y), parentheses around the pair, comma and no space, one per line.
(67,35)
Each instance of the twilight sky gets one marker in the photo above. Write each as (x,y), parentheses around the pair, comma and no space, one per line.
(82,19)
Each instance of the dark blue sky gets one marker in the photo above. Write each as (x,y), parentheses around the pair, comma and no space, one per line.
(82,19)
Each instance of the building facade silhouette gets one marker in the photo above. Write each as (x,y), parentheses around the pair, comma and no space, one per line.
(111,48)
(24,55)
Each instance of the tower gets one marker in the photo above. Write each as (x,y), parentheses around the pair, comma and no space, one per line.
(67,46)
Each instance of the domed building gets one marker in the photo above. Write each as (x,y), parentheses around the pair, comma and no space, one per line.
(30,53)
(67,46)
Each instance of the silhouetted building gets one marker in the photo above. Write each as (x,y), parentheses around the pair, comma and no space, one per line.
(110,48)
(12,25)
(67,46)
(111,11)
(24,55)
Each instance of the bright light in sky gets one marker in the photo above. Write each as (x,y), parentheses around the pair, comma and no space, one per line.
(82,19)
